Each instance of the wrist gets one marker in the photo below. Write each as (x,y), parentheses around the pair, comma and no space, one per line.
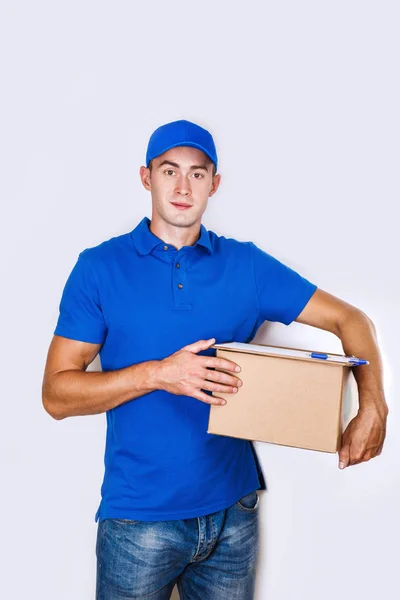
(375,402)
(153,376)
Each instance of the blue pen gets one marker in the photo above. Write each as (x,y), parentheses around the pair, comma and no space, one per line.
(353,361)
(358,361)
(350,361)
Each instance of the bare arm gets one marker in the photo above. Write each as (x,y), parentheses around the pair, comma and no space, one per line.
(364,436)
(68,390)
(358,336)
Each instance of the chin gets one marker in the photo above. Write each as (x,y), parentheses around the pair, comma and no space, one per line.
(178,219)
(184,222)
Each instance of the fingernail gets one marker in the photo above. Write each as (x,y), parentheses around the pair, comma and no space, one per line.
(223,402)
(238,369)
(341,465)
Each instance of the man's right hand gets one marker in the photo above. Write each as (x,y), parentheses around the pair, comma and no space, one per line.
(186,374)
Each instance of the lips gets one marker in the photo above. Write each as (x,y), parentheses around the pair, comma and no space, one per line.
(181,205)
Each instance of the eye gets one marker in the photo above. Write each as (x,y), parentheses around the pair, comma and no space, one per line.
(201,175)
(169,171)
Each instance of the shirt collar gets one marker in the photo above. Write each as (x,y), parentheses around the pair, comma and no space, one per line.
(145,240)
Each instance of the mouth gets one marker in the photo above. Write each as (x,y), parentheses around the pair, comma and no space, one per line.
(181,205)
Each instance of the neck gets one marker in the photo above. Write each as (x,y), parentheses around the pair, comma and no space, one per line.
(173,235)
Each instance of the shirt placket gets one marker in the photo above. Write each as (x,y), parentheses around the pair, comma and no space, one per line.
(180,281)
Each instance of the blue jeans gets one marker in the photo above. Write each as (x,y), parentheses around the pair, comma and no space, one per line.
(212,557)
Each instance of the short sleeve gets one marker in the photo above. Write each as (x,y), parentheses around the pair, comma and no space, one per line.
(282,292)
(81,317)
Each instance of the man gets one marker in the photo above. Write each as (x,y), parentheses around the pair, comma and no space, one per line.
(180,505)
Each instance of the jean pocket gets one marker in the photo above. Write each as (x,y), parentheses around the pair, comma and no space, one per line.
(249,502)
(124,521)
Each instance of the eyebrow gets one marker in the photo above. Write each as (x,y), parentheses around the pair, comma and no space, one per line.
(168,162)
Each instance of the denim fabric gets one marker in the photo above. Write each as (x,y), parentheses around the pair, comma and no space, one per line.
(212,557)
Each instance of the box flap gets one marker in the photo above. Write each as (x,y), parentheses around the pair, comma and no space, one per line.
(340,359)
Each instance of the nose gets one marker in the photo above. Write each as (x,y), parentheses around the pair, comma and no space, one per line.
(183,186)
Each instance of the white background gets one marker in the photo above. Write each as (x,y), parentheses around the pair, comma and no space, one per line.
(302,100)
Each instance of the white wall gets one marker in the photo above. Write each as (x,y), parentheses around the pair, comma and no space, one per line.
(302,99)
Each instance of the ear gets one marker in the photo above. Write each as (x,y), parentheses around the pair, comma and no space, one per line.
(144,173)
(215,184)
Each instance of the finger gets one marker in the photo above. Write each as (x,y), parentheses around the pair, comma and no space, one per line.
(344,455)
(356,459)
(218,387)
(368,455)
(220,377)
(363,454)
(221,363)
(208,399)
(371,453)
(199,345)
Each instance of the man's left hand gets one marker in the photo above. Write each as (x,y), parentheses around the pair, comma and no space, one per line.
(364,436)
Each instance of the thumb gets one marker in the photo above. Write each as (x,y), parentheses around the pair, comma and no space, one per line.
(344,455)
(199,345)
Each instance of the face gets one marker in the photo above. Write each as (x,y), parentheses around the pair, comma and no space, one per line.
(181,181)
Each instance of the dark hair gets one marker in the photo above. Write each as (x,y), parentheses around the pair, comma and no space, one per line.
(208,161)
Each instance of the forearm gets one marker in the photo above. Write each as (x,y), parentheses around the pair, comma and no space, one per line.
(75,392)
(358,336)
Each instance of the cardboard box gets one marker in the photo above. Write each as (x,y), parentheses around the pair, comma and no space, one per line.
(287,397)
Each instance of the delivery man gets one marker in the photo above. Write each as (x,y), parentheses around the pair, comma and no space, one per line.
(180,505)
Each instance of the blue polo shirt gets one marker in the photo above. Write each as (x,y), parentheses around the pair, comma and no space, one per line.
(143,299)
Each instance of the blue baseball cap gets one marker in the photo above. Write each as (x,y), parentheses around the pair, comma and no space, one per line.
(181,133)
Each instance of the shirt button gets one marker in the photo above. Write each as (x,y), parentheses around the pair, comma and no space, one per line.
(178,265)
(180,286)
(165,247)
